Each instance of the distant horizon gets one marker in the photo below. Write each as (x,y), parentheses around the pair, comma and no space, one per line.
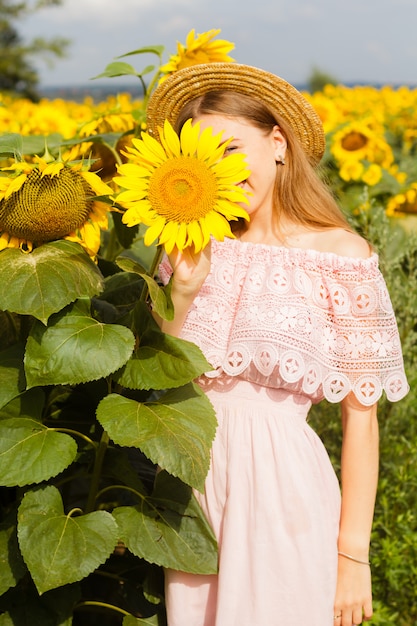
(107,88)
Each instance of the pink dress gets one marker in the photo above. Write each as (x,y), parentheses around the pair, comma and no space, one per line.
(282,328)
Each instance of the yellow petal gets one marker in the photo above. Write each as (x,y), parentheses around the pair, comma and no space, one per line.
(131,182)
(195,236)
(207,143)
(96,184)
(52,169)
(153,232)
(151,149)
(181,236)
(15,185)
(170,140)
(189,138)
(132,169)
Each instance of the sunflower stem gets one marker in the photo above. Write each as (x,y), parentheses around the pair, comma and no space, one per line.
(156,261)
(103,605)
(148,90)
(113,248)
(98,465)
(152,271)
(75,433)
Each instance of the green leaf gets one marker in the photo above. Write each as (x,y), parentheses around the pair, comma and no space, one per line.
(12,567)
(160,296)
(46,280)
(169,529)
(12,144)
(26,608)
(11,373)
(29,403)
(60,549)
(147,70)
(176,431)
(147,49)
(30,452)
(162,362)
(75,348)
(129,620)
(117,68)
(36,144)
(130,265)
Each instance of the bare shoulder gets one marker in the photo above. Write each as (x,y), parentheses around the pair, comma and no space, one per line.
(342,242)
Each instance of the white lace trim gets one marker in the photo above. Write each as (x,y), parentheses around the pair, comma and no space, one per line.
(315,323)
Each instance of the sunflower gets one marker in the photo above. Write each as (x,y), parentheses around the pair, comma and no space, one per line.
(41,202)
(200,49)
(183,188)
(361,142)
(403,203)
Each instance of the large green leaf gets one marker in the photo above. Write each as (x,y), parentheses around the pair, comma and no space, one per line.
(12,567)
(11,373)
(30,452)
(175,431)
(46,280)
(60,549)
(169,529)
(75,348)
(160,361)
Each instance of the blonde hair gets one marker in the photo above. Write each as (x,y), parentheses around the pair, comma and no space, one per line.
(300,195)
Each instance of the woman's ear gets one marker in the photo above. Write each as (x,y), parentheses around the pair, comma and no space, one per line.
(280,144)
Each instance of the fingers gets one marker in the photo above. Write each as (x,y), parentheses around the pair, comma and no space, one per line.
(351,617)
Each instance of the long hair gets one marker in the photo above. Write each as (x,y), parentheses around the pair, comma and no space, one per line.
(299,195)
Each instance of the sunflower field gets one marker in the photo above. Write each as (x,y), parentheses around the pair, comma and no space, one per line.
(103,432)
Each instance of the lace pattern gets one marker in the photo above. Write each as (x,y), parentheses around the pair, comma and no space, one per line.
(315,323)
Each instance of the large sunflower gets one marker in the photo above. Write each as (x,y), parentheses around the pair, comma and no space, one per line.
(184,188)
(200,49)
(41,202)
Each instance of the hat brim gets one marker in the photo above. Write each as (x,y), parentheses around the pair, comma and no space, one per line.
(280,96)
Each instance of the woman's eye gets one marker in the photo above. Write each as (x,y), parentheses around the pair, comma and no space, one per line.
(230,148)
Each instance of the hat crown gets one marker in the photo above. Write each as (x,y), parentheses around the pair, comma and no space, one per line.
(283,98)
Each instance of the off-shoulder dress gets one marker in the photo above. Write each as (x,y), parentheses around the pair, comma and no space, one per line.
(282,328)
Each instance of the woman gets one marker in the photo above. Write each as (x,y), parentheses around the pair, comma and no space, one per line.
(291,311)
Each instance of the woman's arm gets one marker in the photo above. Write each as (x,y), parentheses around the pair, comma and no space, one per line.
(359,475)
(189,273)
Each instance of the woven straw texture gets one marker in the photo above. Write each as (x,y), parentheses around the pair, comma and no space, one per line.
(184,85)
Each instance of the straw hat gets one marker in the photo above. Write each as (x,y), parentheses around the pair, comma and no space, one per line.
(186,84)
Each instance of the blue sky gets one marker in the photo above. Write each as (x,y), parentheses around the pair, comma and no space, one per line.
(352,40)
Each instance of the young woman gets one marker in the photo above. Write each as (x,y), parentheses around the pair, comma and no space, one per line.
(291,311)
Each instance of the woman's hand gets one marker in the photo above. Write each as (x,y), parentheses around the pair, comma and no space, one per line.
(353,601)
(190,269)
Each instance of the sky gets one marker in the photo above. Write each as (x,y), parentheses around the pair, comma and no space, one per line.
(354,41)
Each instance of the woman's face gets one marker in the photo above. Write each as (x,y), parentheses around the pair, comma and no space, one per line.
(262,153)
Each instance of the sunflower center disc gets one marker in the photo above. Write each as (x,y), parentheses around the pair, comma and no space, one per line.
(46,208)
(183,190)
(354,141)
